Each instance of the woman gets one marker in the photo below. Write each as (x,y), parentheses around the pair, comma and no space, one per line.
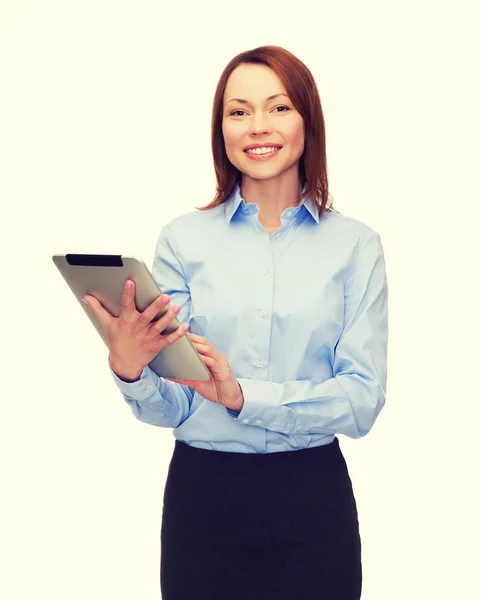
(287,305)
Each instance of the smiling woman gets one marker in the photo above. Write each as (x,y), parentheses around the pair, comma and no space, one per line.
(268,98)
(287,303)
(263,142)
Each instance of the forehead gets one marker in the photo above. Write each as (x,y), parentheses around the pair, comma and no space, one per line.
(251,81)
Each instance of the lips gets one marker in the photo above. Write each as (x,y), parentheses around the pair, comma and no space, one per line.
(253,146)
(265,156)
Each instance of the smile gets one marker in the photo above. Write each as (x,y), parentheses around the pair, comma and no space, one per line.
(262,154)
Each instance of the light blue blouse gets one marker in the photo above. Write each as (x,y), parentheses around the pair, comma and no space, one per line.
(301,315)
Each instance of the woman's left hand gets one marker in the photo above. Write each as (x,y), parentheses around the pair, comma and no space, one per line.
(222,387)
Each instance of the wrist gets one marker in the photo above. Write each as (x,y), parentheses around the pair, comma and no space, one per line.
(127,375)
(239,403)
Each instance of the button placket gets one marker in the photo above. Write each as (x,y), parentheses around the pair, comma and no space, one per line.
(263,297)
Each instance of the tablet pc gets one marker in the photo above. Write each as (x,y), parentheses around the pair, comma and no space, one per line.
(104,276)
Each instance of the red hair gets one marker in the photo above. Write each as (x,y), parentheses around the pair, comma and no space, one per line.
(302,90)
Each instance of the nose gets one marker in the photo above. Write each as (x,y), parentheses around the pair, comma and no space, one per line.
(260,125)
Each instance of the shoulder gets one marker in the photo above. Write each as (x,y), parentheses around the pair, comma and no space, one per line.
(345,227)
(195,220)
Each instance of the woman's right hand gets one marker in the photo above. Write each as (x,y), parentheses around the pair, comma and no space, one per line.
(132,338)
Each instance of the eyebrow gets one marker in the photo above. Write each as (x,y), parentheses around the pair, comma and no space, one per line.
(247,102)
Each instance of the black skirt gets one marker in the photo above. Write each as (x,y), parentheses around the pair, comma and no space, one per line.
(238,526)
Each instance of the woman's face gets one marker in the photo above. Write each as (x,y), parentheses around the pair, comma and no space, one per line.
(260,121)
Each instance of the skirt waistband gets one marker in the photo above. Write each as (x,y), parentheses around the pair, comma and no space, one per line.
(305,458)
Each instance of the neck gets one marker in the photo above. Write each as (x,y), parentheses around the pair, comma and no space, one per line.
(272,195)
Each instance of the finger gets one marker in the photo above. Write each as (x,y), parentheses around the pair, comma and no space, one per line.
(158,326)
(209,361)
(104,317)
(154,308)
(207,349)
(212,361)
(127,302)
(214,366)
(203,348)
(218,367)
(198,338)
(205,345)
(166,340)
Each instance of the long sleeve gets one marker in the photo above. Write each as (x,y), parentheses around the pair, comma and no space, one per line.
(153,399)
(350,401)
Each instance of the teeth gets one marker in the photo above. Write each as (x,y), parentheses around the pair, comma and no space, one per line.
(261,150)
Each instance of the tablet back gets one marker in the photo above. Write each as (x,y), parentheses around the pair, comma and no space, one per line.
(104,276)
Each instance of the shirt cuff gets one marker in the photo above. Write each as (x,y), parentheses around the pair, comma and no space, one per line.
(259,403)
(138,390)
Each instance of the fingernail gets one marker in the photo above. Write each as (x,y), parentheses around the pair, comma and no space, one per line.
(85,301)
(186,326)
(128,284)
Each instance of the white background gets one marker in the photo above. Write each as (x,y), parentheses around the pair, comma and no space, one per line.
(105,111)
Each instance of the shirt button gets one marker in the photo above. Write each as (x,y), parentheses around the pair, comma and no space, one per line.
(278,235)
(259,363)
(258,422)
(263,313)
(265,271)
(289,213)
(245,421)
(149,387)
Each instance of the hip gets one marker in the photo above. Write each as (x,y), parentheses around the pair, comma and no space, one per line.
(302,495)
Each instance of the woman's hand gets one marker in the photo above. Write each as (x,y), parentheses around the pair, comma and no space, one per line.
(222,387)
(133,338)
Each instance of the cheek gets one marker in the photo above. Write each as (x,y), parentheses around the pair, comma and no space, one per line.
(295,134)
(231,133)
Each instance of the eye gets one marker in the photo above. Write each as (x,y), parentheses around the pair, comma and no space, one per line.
(241,111)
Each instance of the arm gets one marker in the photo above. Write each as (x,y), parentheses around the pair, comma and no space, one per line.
(153,399)
(351,400)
